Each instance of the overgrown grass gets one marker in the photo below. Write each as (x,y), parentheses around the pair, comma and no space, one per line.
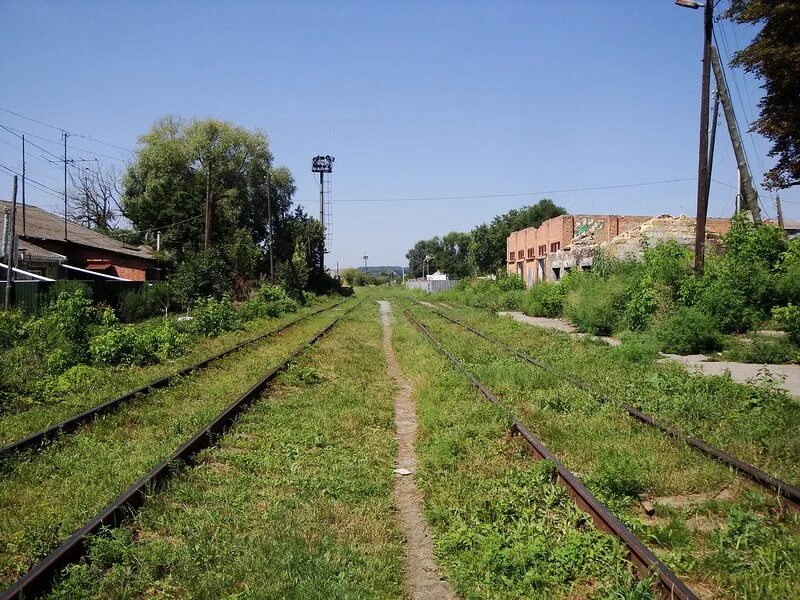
(503,528)
(46,495)
(757,423)
(84,386)
(624,462)
(294,503)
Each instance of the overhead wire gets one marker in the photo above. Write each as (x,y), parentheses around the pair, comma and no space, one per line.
(519,194)
(59,143)
(62,129)
(46,189)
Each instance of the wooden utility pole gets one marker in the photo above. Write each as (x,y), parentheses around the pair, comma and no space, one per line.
(702,168)
(65,185)
(207,237)
(749,194)
(11,248)
(779,210)
(269,221)
(23,185)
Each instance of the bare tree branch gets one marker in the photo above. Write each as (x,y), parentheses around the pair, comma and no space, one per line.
(94,199)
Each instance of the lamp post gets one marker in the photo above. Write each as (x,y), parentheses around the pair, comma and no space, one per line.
(426,263)
(322,164)
(703,159)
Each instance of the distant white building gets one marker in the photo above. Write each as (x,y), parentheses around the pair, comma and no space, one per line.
(437,276)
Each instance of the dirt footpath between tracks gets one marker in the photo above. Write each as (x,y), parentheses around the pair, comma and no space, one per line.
(423,579)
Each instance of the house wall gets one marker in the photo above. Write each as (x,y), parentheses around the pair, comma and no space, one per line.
(128,267)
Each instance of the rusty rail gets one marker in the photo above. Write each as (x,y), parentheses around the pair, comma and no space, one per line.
(35,440)
(643,558)
(39,579)
(783,489)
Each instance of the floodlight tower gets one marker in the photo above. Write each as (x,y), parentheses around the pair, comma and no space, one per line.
(322,164)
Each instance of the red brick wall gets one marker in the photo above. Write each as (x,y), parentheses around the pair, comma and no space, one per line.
(129,267)
(561,229)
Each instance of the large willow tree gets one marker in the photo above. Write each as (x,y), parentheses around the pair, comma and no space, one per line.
(179,162)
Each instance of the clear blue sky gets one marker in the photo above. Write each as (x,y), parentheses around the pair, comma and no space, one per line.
(414,99)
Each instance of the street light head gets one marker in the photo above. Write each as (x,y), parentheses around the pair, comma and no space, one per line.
(690,4)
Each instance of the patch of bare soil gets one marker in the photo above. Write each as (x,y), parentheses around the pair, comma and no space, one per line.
(423,580)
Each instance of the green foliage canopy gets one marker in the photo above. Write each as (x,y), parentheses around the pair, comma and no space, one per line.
(481,250)
(774,56)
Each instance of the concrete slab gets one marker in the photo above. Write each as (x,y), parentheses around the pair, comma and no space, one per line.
(741,372)
(557,325)
(698,363)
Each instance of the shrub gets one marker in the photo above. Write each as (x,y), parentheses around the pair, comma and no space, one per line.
(764,349)
(71,315)
(510,282)
(508,300)
(61,286)
(212,317)
(166,340)
(121,345)
(689,331)
(148,301)
(77,378)
(60,359)
(788,317)
(202,274)
(60,337)
(277,297)
(544,299)
(594,304)
(737,296)
(641,304)
(269,301)
(11,328)
(639,347)
(668,263)
(789,273)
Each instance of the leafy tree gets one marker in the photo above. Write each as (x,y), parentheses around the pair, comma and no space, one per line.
(165,190)
(416,256)
(483,249)
(165,187)
(774,56)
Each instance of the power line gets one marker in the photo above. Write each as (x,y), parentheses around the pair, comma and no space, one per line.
(61,129)
(58,143)
(483,196)
(46,189)
(163,227)
(12,131)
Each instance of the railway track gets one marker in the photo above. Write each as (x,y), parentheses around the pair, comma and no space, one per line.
(784,490)
(38,580)
(38,439)
(646,562)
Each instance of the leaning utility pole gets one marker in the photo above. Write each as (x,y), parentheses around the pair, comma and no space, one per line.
(711,143)
(11,248)
(702,169)
(749,194)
